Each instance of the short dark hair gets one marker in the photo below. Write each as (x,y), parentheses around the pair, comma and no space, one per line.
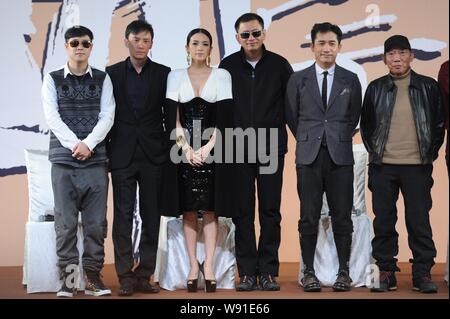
(199,30)
(78,31)
(326,27)
(246,17)
(139,26)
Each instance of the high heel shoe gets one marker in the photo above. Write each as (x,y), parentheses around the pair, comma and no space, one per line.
(210,284)
(192,284)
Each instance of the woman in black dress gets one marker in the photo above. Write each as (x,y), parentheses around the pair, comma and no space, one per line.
(202,98)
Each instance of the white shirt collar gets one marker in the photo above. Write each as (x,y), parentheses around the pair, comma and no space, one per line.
(67,70)
(320,71)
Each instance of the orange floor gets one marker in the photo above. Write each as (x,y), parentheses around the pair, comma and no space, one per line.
(11,287)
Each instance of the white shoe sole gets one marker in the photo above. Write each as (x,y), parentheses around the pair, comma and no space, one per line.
(64,294)
(105,292)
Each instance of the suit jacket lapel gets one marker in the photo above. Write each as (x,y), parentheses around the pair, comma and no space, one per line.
(313,88)
(338,86)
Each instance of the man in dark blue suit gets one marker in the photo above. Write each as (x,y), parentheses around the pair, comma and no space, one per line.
(322,111)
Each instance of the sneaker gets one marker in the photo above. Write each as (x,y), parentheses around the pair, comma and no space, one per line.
(267,282)
(247,283)
(425,285)
(310,282)
(388,282)
(95,286)
(66,292)
(343,281)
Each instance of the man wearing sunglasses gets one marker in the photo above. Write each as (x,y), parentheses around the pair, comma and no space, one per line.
(79,108)
(137,151)
(259,84)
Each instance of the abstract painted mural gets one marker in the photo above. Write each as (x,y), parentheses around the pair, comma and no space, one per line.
(33,38)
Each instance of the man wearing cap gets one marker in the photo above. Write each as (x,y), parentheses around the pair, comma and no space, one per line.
(402,127)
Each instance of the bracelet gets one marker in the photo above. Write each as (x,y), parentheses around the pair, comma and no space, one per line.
(180,141)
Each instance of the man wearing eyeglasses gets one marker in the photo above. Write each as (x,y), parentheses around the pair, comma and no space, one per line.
(79,108)
(324,105)
(402,126)
(259,84)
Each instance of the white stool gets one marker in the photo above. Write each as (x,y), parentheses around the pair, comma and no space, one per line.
(326,263)
(42,272)
(173,265)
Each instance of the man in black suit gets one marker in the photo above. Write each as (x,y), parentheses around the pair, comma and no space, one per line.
(323,109)
(137,152)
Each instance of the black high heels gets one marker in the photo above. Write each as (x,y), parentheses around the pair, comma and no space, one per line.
(192,284)
(210,284)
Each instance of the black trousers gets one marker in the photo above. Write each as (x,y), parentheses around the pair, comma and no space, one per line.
(415,182)
(148,176)
(252,259)
(323,175)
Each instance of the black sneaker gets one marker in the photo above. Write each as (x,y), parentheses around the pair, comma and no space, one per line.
(95,286)
(68,289)
(65,291)
(310,282)
(387,282)
(267,282)
(144,286)
(425,285)
(247,283)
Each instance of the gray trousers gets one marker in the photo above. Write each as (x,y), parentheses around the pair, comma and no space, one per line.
(82,190)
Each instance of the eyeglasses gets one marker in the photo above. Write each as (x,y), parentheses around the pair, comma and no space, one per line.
(246,35)
(85,43)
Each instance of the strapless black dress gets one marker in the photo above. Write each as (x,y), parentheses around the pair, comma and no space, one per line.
(196,184)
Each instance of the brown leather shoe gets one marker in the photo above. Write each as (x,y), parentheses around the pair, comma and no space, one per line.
(343,281)
(310,282)
(144,286)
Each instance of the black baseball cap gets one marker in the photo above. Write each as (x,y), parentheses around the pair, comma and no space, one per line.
(396,42)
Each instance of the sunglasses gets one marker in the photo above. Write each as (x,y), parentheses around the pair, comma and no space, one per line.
(246,35)
(85,43)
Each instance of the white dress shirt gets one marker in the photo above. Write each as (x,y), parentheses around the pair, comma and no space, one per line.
(330,78)
(66,137)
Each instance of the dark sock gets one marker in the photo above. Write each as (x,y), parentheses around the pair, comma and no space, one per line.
(343,247)
(308,247)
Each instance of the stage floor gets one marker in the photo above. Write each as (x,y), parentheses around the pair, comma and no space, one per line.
(11,287)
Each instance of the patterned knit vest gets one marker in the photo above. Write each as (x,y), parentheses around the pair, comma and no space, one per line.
(79,107)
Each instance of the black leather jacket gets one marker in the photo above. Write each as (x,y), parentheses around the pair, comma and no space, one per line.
(426,105)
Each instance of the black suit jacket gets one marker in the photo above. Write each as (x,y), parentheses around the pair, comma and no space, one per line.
(308,120)
(144,126)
